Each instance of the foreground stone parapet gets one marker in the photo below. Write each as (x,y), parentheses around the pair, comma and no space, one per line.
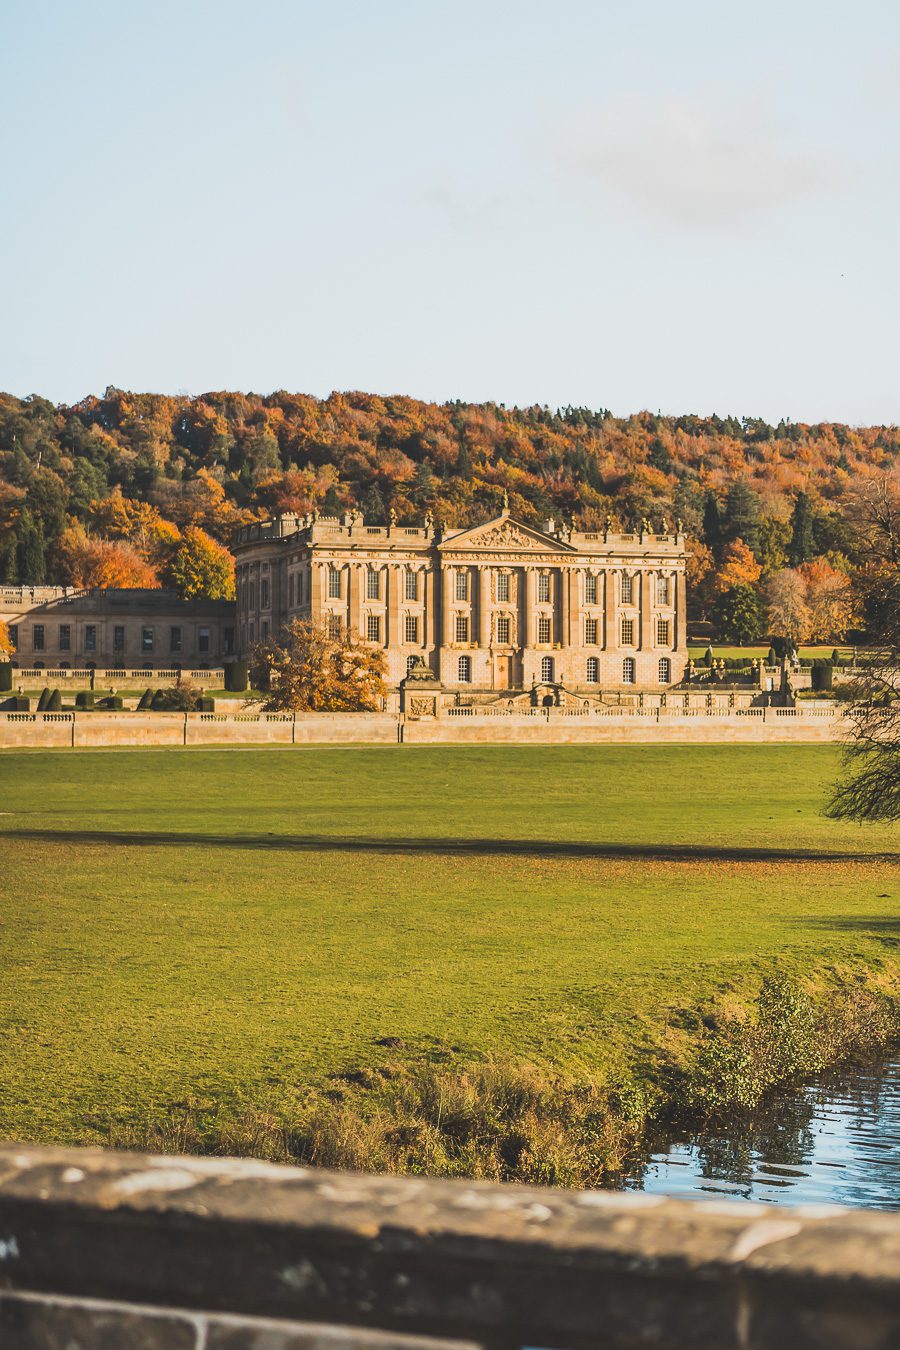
(102,1249)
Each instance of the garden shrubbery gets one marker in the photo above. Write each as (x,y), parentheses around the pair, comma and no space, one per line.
(822,674)
(237,677)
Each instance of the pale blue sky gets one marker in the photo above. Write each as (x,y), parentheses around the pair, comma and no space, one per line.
(689,206)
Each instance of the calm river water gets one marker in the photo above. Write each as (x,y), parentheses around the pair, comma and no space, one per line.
(838,1142)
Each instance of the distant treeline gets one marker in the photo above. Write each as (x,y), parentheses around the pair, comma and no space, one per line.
(103,492)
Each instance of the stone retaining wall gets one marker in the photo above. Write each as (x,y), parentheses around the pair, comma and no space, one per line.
(463,726)
(108,1250)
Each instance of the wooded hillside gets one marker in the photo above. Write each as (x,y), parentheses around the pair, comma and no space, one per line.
(140,489)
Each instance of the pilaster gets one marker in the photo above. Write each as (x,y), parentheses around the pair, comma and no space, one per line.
(430,633)
(484,606)
(646,624)
(529,592)
(609,610)
(446,605)
(354,595)
(393,636)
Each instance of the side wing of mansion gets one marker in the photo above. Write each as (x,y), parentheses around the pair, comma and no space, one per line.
(497,606)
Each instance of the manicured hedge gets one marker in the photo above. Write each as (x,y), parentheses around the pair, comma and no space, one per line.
(821,674)
(54,702)
(84,700)
(6,676)
(237,677)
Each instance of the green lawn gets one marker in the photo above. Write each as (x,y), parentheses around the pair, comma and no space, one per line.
(242,923)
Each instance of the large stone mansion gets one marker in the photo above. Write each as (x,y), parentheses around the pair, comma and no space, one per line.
(493,607)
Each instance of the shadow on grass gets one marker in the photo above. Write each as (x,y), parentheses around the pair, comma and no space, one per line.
(541,848)
(878,926)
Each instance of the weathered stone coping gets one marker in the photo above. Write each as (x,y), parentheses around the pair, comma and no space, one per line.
(195,1252)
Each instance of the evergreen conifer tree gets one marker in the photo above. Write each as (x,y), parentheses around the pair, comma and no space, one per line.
(802,546)
(712,523)
(742,515)
(9,560)
(32,551)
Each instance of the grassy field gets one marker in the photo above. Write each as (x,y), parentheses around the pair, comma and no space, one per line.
(241,924)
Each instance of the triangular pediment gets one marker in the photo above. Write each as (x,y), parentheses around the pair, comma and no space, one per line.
(504,532)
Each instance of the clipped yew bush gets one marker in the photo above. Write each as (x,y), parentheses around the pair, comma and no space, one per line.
(237,677)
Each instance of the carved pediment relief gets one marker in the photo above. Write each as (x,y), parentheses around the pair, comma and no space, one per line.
(506,533)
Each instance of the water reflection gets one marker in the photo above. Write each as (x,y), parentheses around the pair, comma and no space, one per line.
(836,1142)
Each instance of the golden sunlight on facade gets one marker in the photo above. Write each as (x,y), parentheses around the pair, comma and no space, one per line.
(494,607)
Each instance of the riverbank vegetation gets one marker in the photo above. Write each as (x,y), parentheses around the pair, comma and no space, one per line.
(416,956)
(511,1121)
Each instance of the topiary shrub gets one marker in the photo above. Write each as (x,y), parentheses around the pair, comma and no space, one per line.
(707,658)
(43,700)
(206,704)
(835,657)
(771,658)
(158,701)
(113,703)
(54,702)
(237,677)
(84,700)
(145,701)
(822,674)
(6,680)
(18,703)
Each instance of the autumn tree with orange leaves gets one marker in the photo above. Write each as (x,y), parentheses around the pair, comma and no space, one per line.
(90,562)
(313,669)
(202,568)
(739,568)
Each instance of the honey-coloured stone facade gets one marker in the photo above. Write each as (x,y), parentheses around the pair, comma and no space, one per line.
(494,607)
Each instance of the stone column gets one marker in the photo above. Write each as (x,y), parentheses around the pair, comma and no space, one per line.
(354,594)
(527,579)
(609,610)
(430,634)
(565,607)
(317,592)
(646,641)
(393,636)
(446,604)
(484,606)
(576,584)
(679,640)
